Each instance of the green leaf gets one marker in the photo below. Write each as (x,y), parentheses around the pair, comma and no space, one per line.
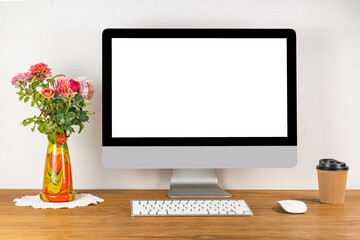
(62,121)
(78,98)
(81,127)
(77,121)
(26,99)
(34,85)
(41,128)
(68,128)
(59,130)
(39,118)
(87,102)
(33,80)
(52,137)
(37,96)
(84,118)
(33,102)
(70,115)
(60,115)
(21,97)
(90,113)
(72,109)
(26,123)
(50,127)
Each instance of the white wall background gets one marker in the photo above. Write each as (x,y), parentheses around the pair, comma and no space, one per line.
(67,36)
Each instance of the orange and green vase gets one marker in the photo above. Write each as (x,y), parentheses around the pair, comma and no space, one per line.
(57,186)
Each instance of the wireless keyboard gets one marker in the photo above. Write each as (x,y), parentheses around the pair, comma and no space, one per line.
(233,207)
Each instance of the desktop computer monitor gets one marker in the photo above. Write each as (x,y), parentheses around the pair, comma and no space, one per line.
(196,100)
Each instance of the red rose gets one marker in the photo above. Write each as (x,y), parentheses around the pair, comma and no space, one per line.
(74,85)
(47,92)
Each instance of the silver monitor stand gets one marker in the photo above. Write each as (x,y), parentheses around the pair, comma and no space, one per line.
(195,183)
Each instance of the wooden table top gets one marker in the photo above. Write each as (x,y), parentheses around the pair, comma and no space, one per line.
(111,219)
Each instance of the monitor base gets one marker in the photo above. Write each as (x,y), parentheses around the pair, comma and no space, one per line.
(195,183)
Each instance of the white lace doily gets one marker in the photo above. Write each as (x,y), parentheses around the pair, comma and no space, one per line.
(81,200)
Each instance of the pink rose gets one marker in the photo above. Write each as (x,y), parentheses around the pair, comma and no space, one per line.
(21,78)
(86,88)
(74,85)
(62,86)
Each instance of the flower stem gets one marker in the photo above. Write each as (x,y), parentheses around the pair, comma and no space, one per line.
(37,104)
(52,110)
(68,105)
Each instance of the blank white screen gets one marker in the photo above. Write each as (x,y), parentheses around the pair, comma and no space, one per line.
(190,87)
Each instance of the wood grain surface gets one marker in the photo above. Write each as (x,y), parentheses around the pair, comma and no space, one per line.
(111,219)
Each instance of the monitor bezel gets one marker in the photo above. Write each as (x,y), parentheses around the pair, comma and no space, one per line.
(109,140)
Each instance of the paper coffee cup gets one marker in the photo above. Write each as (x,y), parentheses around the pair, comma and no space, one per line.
(332,176)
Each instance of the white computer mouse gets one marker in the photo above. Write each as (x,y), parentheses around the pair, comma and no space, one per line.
(293,206)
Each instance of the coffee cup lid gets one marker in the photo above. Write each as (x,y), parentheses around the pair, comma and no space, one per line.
(330,164)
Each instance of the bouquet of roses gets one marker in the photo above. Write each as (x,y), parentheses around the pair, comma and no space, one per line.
(60,99)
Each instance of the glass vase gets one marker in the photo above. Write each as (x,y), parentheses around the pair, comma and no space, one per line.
(57,186)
